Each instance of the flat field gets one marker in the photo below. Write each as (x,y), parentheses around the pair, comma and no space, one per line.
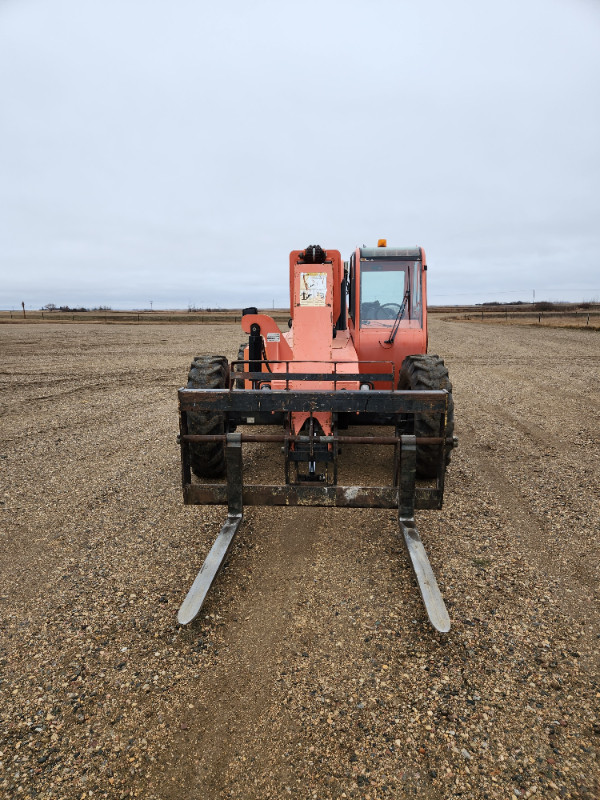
(312,672)
(582,320)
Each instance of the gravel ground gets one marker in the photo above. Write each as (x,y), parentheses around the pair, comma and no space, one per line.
(312,672)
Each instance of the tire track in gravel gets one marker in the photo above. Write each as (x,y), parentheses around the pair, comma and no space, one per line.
(550,555)
(93,390)
(536,534)
(59,471)
(532,445)
(236,693)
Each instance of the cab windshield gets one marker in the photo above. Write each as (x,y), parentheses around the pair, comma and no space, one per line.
(389,288)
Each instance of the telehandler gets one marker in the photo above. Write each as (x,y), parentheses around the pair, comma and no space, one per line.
(355,354)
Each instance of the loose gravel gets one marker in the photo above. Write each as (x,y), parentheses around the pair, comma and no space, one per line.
(312,672)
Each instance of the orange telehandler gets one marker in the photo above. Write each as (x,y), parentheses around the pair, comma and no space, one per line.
(355,354)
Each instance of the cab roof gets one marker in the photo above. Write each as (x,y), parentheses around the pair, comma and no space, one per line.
(405,253)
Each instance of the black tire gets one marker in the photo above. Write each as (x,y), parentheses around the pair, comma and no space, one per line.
(207,459)
(239,382)
(426,372)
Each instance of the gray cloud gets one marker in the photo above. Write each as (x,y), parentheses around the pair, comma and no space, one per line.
(178,152)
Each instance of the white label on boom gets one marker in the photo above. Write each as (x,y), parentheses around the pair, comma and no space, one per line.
(313,288)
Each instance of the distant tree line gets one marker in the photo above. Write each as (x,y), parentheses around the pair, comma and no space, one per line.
(498,303)
(53,307)
(544,305)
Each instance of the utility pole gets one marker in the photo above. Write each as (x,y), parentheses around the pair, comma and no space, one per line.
(150,305)
(23,307)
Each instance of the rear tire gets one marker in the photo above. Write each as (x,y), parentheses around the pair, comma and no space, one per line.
(207,459)
(423,373)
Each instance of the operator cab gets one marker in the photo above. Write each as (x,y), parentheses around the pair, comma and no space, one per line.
(385,287)
(386,306)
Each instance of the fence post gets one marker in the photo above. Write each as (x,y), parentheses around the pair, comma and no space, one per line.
(588,320)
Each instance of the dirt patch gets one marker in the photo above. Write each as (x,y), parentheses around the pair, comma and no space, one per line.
(311,671)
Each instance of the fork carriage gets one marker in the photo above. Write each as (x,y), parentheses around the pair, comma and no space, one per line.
(242,407)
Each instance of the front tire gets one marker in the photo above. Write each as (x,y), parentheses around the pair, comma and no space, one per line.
(426,373)
(207,459)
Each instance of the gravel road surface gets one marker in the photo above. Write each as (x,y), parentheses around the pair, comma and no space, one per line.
(312,672)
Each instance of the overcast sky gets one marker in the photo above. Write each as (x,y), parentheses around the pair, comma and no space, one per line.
(175,152)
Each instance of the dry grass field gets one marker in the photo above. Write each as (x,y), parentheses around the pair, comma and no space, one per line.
(110,317)
(312,672)
(589,321)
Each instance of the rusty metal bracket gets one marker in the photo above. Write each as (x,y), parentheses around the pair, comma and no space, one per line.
(254,401)
(233,456)
(408,470)
(404,495)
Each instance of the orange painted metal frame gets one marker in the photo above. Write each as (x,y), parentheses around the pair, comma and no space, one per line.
(310,345)
(370,342)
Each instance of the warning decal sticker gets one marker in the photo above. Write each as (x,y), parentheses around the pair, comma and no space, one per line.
(313,288)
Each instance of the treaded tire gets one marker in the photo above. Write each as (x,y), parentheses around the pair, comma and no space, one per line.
(422,373)
(207,459)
